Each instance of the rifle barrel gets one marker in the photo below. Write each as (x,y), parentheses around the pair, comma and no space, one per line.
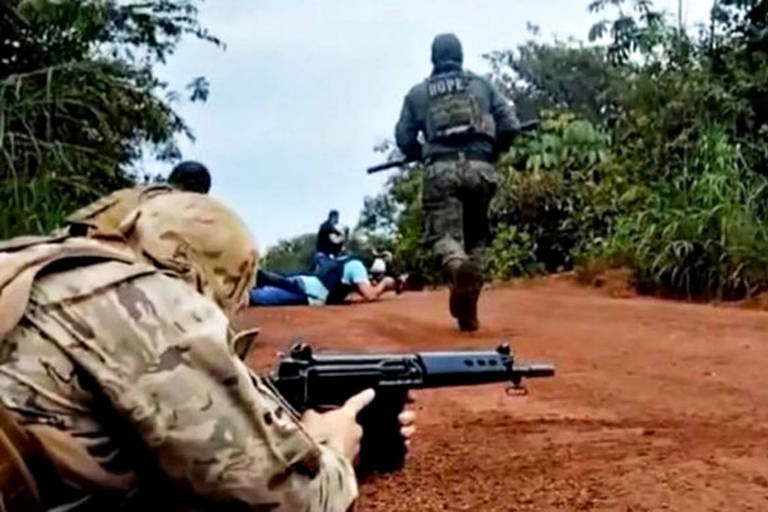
(526,126)
(385,166)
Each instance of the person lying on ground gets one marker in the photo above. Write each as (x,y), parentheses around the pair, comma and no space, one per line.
(331,283)
(382,267)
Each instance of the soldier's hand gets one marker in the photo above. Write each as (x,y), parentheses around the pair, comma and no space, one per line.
(407,420)
(339,428)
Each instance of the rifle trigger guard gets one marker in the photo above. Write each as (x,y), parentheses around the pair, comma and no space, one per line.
(516,390)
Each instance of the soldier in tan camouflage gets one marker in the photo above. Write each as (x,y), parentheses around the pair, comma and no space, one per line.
(105,214)
(118,368)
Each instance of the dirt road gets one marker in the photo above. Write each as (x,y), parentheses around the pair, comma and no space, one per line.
(656,406)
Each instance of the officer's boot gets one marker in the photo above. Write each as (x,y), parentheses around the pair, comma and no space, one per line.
(466,283)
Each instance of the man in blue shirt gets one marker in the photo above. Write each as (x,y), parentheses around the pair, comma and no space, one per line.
(332,282)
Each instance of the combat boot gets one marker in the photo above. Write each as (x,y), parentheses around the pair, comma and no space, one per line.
(466,283)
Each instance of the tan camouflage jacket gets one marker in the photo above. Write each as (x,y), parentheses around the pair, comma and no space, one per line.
(105,214)
(127,377)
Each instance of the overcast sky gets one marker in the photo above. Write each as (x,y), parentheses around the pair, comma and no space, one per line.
(306,88)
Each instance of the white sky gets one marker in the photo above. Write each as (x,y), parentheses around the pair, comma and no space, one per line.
(306,88)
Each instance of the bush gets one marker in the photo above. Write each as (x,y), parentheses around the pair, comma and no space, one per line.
(393,221)
(512,254)
(294,255)
(80,102)
(555,189)
(702,234)
(651,154)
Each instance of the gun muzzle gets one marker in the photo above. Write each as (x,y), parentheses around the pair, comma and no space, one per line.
(533,371)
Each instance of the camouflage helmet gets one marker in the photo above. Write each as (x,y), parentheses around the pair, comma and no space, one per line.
(200,239)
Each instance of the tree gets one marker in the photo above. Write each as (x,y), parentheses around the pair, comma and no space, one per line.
(563,75)
(292,255)
(79,100)
(653,153)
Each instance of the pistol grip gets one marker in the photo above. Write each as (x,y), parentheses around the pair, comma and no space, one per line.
(382,448)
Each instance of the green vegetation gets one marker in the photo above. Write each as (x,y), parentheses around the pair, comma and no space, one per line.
(79,100)
(293,255)
(653,151)
(653,154)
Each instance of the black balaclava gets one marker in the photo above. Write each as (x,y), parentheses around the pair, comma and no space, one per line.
(446,53)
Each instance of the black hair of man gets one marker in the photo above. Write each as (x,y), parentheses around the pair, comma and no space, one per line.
(191,177)
(333,214)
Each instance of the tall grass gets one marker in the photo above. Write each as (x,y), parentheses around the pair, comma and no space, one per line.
(703,233)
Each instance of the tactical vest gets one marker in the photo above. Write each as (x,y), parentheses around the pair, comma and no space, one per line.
(24,469)
(454,113)
(330,274)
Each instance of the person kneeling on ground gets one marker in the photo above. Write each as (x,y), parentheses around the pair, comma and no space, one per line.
(331,283)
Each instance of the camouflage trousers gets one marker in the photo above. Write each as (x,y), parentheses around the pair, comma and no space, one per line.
(456,198)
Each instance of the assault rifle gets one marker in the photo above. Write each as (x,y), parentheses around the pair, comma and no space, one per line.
(527,126)
(321,381)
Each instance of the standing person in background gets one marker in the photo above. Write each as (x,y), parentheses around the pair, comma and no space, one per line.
(330,239)
(465,123)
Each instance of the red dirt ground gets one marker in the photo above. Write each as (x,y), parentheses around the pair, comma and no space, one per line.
(656,406)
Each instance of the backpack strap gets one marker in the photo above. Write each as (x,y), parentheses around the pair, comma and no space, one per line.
(18,487)
(22,259)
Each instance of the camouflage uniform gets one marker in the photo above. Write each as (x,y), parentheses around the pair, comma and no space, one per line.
(106,214)
(125,372)
(455,198)
(465,123)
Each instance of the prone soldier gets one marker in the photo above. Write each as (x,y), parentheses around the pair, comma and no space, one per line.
(121,387)
(105,214)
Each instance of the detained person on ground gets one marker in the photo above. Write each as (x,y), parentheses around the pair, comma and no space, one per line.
(332,282)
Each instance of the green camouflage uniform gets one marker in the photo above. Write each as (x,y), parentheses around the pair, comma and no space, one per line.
(127,377)
(461,115)
(455,199)
(464,122)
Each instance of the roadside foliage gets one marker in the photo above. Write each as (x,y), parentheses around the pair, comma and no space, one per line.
(652,154)
(79,101)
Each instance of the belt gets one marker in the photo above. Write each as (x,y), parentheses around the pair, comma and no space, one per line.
(460,156)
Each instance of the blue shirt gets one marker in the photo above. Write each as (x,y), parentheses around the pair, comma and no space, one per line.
(354,273)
